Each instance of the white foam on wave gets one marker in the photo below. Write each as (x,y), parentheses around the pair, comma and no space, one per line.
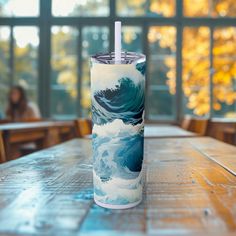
(116,128)
(105,76)
(117,188)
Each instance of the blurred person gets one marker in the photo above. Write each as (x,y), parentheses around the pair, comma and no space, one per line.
(19,108)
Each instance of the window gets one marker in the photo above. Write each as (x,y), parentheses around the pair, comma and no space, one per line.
(152,8)
(162,66)
(224,77)
(19,61)
(209,8)
(132,38)
(196,70)
(64,68)
(190,47)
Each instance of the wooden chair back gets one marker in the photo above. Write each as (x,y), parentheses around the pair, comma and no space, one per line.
(200,126)
(83,127)
(197,125)
(2,149)
(187,122)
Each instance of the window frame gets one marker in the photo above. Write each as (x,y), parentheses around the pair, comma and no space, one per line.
(46,20)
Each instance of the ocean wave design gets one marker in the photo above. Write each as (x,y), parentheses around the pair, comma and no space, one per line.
(125,102)
(118,128)
(118,161)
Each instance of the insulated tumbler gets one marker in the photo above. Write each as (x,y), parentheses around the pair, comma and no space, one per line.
(117,91)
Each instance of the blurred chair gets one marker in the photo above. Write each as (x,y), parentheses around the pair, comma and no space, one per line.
(196,125)
(83,127)
(2,149)
(200,126)
(229,134)
(186,122)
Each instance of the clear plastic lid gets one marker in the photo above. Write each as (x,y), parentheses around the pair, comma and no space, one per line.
(126,58)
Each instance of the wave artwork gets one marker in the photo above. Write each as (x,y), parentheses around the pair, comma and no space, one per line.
(118,129)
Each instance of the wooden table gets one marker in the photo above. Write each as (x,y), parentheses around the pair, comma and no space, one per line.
(166,131)
(190,189)
(44,133)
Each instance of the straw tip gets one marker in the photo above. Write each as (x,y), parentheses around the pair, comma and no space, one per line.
(118,23)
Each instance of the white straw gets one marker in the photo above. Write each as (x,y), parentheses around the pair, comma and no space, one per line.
(117,42)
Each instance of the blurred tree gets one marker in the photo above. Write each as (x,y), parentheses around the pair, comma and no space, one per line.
(213,8)
(196,65)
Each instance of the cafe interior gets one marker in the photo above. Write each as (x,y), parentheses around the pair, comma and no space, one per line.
(50,141)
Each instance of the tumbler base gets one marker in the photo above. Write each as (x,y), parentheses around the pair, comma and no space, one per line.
(117,207)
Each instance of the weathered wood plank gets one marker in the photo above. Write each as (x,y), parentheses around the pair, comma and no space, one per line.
(187,193)
(47,192)
(223,154)
(50,192)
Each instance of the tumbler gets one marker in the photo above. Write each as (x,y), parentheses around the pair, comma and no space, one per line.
(117,91)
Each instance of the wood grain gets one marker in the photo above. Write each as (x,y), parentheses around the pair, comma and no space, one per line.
(50,192)
(223,154)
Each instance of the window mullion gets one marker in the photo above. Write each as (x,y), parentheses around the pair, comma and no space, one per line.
(211,71)
(11,58)
(179,39)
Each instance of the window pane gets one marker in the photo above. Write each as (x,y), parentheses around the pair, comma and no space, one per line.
(64,72)
(95,40)
(80,8)
(132,38)
(212,8)
(195,75)
(4,67)
(161,104)
(19,7)
(161,68)
(156,8)
(26,59)
(224,8)
(196,8)
(224,78)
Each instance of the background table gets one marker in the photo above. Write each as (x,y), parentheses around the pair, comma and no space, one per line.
(43,133)
(190,188)
(166,131)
